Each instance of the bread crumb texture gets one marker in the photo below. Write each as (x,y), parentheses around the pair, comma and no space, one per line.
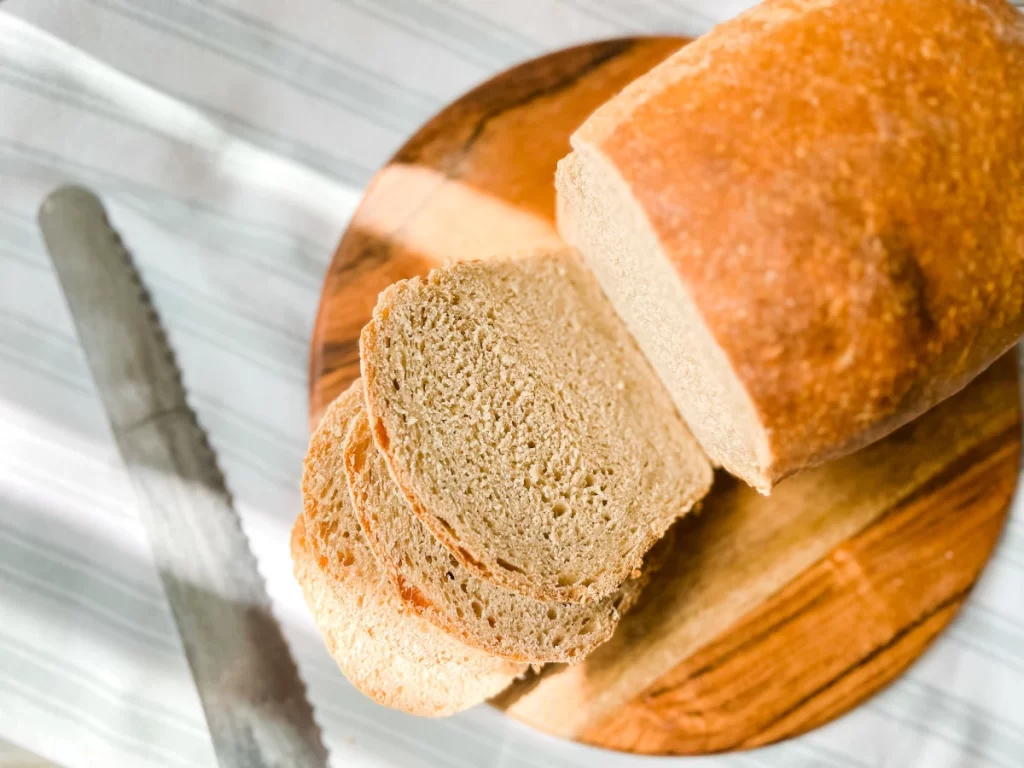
(433,582)
(524,426)
(385,649)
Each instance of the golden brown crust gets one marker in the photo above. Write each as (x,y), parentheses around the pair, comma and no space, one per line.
(840,186)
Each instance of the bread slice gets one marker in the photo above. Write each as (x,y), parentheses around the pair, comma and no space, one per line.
(385,649)
(811,219)
(433,583)
(523,425)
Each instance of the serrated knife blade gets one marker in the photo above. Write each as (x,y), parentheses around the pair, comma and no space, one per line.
(252,696)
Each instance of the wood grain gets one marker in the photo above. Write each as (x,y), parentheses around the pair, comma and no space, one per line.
(779,613)
(476,180)
(253,700)
(776,614)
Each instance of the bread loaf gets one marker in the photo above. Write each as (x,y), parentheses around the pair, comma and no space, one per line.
(812,219)
(432,582)
(524,427)
(384,648)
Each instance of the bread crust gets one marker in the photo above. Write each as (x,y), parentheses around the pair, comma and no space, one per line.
(840,188)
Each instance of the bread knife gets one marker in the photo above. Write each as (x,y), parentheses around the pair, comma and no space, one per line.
(252,697)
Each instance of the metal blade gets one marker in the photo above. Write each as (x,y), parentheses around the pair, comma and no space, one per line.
(254,702)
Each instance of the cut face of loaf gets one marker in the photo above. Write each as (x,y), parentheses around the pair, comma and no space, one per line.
(385,649)
(432,581)
(812,219)
(642,284)
(524,427)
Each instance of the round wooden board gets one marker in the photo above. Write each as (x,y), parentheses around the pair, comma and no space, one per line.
(778,613)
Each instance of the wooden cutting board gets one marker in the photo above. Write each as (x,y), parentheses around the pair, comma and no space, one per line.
(777,613)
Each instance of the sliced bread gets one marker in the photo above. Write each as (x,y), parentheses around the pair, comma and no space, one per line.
(384,648)
(524,427)
(431,580)
(812,219)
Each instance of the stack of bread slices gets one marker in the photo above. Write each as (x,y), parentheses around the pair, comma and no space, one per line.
(484,497)
(794,236)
